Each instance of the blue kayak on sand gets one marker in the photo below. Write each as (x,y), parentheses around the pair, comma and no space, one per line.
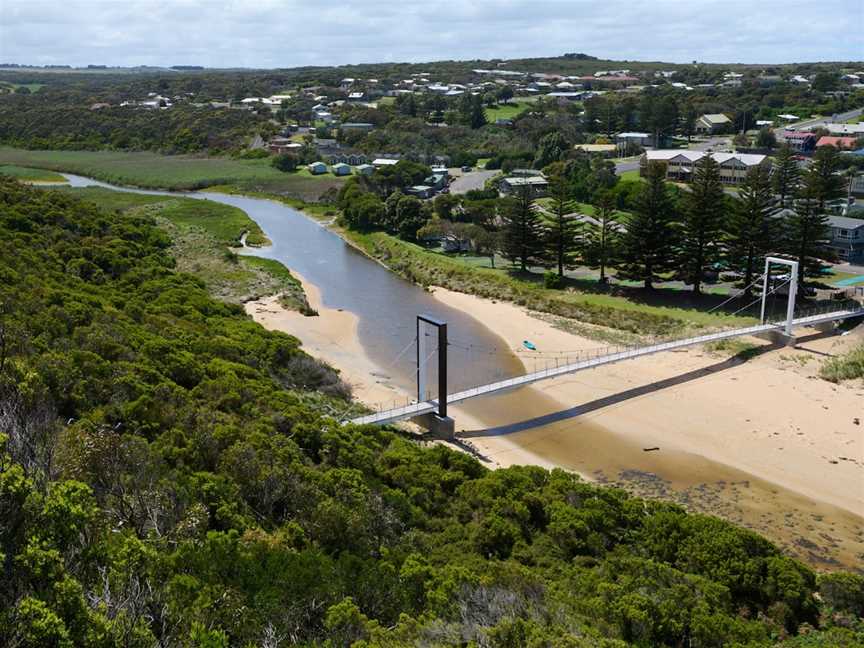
(528,345)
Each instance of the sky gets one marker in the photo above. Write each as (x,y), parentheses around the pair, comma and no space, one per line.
(288,33)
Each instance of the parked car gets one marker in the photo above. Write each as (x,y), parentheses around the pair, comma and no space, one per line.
(466,169)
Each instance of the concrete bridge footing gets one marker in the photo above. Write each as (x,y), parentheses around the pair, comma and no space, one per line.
(437,426)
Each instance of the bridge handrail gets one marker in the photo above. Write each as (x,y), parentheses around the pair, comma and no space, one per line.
(413,408)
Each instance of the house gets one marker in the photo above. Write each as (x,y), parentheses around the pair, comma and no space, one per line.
(420,191)
(842,143)
(356,96)
(635,139)
(437,181)
(847,238)
(380,162)
(283,147)
(317,168)
(340,169)
(538,185)
(798,140)
(352,159)
(365,169)
(709,124)
(680,162)
(602,149)
(357,126)
(852,130)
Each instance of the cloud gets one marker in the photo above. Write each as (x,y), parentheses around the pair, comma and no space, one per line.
(284,33)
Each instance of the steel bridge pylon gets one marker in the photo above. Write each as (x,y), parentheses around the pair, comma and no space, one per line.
(436,422)
(793,290)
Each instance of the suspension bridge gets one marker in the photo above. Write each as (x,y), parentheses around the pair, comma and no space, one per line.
(435,409)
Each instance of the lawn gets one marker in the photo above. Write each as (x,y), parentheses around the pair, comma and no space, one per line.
(508,110)
(630,175)
(30,175)
(177,172)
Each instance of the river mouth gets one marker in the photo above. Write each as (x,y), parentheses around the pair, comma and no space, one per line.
(386,307)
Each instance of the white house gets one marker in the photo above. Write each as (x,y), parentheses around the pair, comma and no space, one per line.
(680,163)
(712,123)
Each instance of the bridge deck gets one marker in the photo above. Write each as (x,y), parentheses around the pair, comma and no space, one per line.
(425,407)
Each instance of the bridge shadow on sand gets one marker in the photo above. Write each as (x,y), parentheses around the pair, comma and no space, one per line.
(650,388)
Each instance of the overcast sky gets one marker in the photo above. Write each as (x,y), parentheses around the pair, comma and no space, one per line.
(285,33)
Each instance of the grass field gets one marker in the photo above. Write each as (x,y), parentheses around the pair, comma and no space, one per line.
(30,175)
(661,313)
(508,110)
(630,175)
(177,172)
(201,231)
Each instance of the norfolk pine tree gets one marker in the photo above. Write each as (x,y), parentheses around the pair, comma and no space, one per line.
(702,224)
(752,230)
(561,228)
(649,242)
(602,238)
(786,176)
(522,230)
(808,232)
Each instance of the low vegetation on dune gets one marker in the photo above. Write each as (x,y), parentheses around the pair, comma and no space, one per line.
(170,474)
(849,366)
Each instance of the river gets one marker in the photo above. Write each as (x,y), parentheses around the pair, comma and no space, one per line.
(386,307)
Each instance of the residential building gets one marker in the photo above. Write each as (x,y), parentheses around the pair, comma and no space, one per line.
(635,139)
(365,169)
(603,149)
(317,168)
(842,143)
(538,184)
(357,126)
(709,124)
(420,191)
(340,169)
(353,159)
(380,162)
(847,238)
(799,141)
(853,130)
(680,163)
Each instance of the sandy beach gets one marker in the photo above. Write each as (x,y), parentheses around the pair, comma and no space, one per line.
(764,443)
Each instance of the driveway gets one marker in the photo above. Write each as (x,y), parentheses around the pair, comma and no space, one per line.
(465,182)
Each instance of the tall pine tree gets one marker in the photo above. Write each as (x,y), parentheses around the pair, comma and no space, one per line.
(752,229)
(825,183)
(704,214)
(649,242)
(522,230)
(808,232)
(601,242)
(786,177)
(562,229)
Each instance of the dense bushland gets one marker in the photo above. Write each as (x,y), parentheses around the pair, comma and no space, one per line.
(169,475)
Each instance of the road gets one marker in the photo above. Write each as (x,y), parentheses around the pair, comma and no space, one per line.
(465,182)
(821,121)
